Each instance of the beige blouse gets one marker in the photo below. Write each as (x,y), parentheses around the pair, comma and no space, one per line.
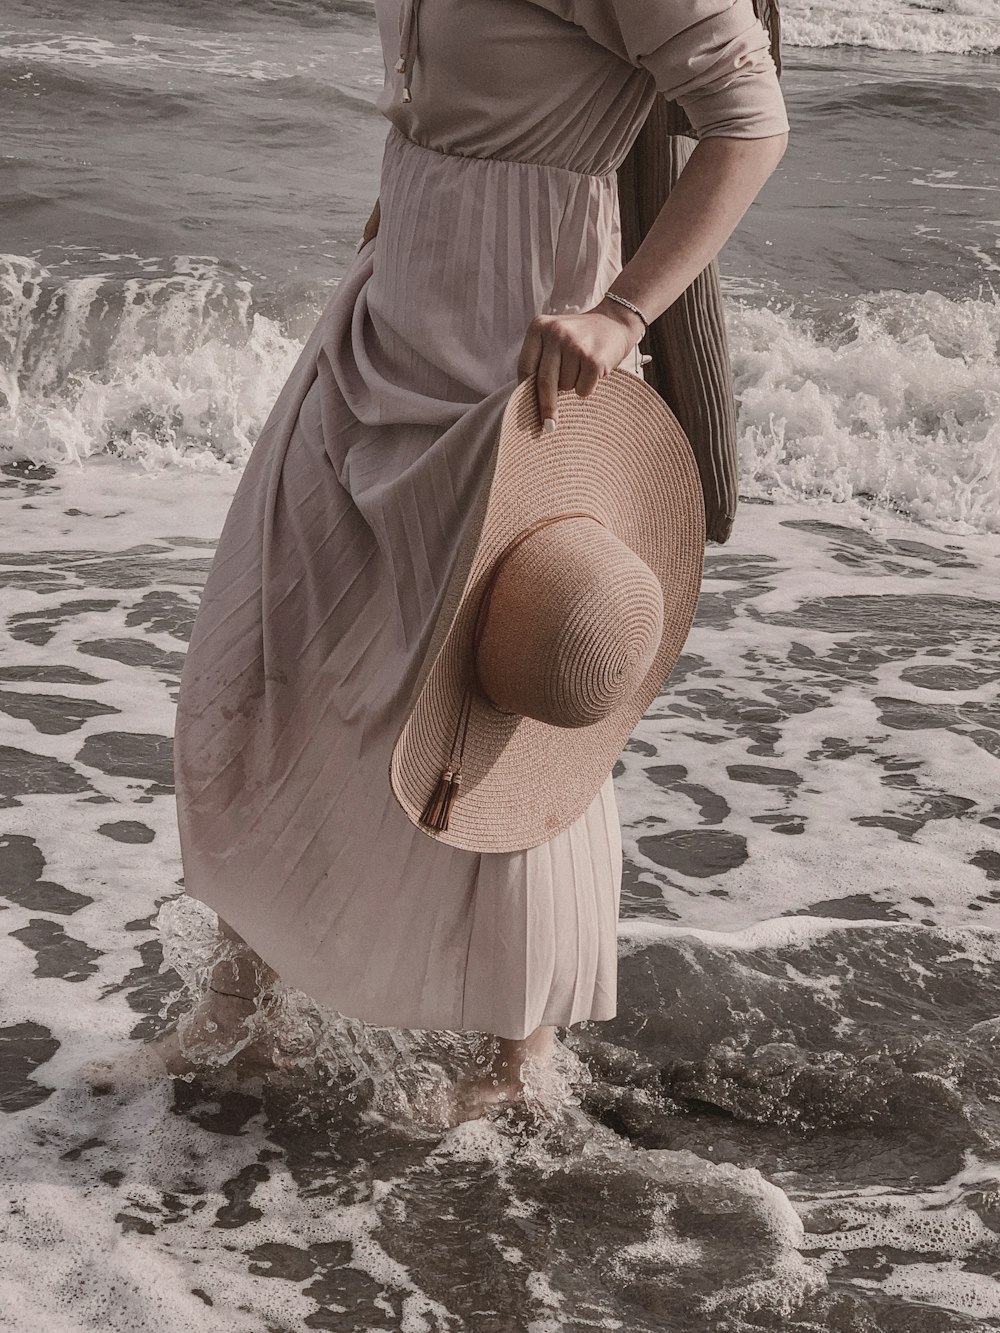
(569,82)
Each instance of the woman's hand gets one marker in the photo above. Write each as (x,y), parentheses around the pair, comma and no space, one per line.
(575,351)
(371,226)
(716,186)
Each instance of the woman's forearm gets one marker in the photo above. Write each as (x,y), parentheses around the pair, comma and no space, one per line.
(718,184)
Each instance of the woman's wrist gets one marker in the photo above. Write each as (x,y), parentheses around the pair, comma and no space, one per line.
(632,321)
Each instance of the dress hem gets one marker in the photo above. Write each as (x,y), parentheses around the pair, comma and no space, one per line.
(269,959)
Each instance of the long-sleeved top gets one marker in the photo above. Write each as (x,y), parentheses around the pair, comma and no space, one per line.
(569,82)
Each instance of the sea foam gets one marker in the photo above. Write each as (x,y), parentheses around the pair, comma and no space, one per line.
(896,407)
(891,405)
(960,27)
(177,370)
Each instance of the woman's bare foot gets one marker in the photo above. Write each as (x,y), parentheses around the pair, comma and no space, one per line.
(222,1028)
(498,1080)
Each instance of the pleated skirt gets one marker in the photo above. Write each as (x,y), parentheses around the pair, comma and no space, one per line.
(320,601)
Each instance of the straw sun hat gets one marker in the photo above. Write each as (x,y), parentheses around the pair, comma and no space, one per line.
(567,608)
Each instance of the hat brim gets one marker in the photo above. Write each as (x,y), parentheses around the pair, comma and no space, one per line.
(620,454)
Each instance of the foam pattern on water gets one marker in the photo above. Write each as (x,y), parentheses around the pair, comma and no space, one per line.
(791,1124)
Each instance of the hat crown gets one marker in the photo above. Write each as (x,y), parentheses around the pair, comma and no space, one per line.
(573,625)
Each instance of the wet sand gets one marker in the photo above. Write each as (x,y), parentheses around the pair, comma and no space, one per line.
(792,1123)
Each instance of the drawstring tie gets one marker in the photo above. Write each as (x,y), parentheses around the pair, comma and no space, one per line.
(437,812)
(407,46)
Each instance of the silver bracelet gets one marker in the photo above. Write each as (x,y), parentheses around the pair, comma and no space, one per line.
(628,304)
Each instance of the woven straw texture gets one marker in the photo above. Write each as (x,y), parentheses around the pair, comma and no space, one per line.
(620,455)
(562,600)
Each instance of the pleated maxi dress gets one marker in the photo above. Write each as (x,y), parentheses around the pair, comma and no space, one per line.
(507,121)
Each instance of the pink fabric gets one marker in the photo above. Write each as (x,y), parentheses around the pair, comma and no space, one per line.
(498,200)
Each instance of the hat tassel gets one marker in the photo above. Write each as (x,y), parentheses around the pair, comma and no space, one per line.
(437,812)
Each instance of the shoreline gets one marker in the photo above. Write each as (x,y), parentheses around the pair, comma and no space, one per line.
(807,990)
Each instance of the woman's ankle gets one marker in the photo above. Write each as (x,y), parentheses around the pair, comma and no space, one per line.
(241,973)
(507,1056)
(240,969)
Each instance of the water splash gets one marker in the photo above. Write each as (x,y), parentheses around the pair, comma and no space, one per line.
(892,404)
(962,27)
(176,370)
(402,1076)
(895,405)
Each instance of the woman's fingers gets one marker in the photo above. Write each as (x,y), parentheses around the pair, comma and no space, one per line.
(540,356)
(569,368)
(547,379)
(586,380)
(569,352)
(554,362)
(531,350)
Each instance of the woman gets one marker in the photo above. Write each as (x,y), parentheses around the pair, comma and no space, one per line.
(489,257)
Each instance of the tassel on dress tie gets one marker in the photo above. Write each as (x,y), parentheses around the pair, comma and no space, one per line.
(407,44)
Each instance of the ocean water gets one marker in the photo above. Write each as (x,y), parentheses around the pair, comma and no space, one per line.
(156,285)
(794,1120)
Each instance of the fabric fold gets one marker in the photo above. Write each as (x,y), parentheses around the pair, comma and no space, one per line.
(498,202)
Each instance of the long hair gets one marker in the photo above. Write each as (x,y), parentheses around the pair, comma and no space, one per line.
(690,368)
